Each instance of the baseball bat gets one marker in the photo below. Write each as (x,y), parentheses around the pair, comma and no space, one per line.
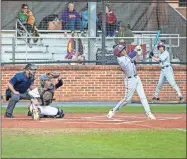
(155,41)
(156,38)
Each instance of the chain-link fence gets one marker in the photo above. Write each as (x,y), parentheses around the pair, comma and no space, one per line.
(90,37)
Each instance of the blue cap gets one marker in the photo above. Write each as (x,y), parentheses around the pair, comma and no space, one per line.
(44,77)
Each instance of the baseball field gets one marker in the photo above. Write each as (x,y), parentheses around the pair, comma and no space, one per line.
(86,132)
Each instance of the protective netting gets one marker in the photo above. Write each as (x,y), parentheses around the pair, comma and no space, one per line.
(134,16)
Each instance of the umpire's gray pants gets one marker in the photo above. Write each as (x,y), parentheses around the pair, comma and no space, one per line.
(14,99)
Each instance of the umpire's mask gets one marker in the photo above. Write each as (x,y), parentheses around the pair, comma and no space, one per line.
(31,68)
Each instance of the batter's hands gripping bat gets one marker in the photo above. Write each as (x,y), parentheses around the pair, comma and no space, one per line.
(155,42)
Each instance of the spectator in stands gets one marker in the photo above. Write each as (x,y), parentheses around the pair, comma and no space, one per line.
(124,31)
(27,18)
(110,21)
(19,85)
(71,19)
(84,18)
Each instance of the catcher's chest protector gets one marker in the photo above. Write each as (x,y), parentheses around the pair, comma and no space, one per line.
(46,94)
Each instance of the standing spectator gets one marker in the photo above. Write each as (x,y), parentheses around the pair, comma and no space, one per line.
(124,31)
(110,21)
(84,18)
(71,19)
(19,85)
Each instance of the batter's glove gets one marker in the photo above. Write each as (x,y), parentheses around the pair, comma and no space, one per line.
(53,74)
(138,49)
(151,54)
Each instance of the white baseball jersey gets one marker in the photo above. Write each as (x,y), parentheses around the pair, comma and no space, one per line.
(164,59)
(127,65)
(166,74)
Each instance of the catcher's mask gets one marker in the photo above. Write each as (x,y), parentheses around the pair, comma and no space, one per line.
(31,68)
(43,79)
(161,45)
(118,49)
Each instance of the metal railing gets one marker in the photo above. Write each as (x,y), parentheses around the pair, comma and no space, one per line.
(53,48)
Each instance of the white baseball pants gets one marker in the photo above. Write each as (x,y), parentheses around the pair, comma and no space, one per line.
(132,84)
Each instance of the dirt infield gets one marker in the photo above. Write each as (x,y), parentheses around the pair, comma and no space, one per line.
(98,120)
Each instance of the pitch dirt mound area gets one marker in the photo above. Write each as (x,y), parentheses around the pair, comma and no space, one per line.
(98,120)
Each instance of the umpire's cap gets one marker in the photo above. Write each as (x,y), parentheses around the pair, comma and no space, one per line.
(44,77)
(30,66)
(118,49)
(161,44)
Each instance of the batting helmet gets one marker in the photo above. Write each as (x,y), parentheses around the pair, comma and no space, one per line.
(161,44)
(118,49)
(30,66)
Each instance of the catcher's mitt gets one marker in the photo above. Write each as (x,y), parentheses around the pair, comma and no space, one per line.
(53,74)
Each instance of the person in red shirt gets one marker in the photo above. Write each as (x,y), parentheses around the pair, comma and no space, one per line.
(110,21)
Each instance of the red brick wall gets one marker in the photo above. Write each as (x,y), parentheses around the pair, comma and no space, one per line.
(102,83)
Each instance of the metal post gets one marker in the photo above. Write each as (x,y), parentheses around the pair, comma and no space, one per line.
(170,49)
(13,49)
(76,48)
(103,31)
(151,48)
(92,31)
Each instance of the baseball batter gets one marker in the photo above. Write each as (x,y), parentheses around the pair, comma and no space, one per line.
(132,80)
(166,71)
(42,96)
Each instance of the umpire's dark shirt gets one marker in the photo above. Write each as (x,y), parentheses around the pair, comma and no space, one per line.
(21,82)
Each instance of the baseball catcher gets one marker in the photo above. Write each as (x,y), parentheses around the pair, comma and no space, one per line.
(42,97)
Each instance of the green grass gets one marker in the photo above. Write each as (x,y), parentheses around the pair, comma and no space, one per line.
(97,144)
(104,109)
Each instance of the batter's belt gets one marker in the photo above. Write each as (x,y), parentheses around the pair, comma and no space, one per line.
(165,66)
(132,76)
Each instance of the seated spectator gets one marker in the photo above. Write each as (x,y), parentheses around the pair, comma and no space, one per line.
(27,18)
(71,19)
(124,31)
(110,21)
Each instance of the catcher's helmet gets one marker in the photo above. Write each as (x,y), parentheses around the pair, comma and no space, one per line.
(44,77)
(30,66)
(161,44)
(118,49)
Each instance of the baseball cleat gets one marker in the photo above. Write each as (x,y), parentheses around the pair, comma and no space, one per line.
(155,99)
(151,116)
(180,99)
(36,114)
(110,114)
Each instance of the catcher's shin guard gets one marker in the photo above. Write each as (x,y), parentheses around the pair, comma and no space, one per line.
(36,114)
(60,113)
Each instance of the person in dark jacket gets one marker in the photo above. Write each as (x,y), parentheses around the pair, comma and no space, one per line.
(19,86)
(71,19)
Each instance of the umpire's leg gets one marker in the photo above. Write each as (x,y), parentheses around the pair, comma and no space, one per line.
(12,102)
(11,105)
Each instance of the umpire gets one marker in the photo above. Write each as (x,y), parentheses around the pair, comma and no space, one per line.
(19,85)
